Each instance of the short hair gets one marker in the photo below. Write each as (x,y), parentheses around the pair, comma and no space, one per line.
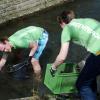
(64,16)
(2,39)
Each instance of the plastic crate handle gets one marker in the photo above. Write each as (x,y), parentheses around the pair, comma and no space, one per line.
(69,68)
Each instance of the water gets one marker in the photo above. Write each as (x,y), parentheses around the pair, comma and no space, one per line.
(88,8)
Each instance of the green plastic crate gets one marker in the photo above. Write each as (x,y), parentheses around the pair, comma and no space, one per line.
(64,80)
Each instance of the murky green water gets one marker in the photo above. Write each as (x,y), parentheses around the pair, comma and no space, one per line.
(46,19)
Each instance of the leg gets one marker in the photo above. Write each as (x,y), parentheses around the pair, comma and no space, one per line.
(35,60)
(86,82)
(36,68)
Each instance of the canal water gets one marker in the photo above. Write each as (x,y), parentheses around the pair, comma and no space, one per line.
(10,88)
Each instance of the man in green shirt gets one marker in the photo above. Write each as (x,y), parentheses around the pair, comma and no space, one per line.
(85,32)
(31,37)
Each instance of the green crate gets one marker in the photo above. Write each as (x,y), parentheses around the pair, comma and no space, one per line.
(64,80)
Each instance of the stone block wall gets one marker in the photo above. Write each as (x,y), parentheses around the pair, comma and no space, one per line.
(10,9)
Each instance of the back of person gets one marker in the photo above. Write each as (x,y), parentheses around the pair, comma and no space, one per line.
(23,37)
(85,32)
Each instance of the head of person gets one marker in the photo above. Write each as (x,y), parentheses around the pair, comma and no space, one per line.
(65,17)
(5,45)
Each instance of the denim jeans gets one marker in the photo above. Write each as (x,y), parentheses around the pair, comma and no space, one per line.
(86,83)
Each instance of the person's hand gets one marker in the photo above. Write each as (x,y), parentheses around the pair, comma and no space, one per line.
(3,60)
(52,71)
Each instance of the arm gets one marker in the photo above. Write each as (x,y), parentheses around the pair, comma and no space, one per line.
(33,47)
(61,56)
(3,60)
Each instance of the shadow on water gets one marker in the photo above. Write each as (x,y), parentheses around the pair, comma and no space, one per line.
(10,88)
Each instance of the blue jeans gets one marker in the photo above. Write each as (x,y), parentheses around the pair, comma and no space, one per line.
(86,83)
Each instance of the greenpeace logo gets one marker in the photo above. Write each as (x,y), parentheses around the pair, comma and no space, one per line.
(86,28)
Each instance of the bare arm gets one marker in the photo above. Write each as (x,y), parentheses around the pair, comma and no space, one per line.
(3,60)
(33,47)
(62,55)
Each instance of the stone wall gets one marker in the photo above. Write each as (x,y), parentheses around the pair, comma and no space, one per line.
(10,9)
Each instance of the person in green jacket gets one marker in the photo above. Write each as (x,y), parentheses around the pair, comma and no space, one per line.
(31,37)
(86,33)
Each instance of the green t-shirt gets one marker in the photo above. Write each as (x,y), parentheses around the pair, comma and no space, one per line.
(23,37)
(85,32)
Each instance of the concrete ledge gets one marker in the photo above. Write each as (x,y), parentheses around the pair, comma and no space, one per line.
(10,9)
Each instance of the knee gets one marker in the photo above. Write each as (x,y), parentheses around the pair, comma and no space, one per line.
(36,65)
(35,62)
